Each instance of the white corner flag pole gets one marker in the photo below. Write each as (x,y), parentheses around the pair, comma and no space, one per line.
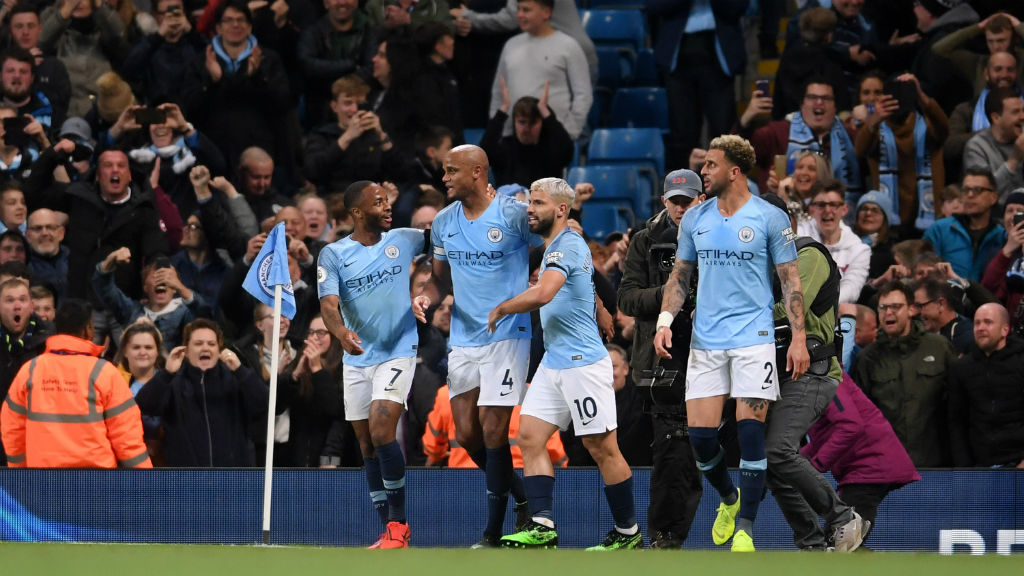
(268,471)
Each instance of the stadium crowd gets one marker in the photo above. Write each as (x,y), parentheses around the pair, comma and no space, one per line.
(148,146)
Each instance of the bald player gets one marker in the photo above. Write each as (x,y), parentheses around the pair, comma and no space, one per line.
(481,248)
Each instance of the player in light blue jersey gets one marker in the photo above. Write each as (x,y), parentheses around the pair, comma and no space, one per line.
(481,249)
(574,380)
(734,239)
(364,299)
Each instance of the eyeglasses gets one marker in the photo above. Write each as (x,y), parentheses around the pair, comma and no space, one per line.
(833,205)
(883,308)
(41,227)
(870,209)
(920,305)
(819,98)
(319,333)
(975,190)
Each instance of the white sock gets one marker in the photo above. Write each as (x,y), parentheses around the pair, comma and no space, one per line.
(544,522)
(628,531)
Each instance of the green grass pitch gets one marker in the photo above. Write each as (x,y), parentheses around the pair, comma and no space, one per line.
(154,560)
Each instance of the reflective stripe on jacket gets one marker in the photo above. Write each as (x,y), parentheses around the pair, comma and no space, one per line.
(68,408)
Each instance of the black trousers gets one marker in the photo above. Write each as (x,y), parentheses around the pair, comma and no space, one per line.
(865,499)
(676,483)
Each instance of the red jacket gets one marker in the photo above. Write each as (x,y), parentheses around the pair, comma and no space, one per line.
(67,408)
(855,442)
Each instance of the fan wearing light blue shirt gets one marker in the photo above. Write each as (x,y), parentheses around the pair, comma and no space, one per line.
(734,239)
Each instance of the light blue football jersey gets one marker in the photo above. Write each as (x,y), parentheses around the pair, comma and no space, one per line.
(489,260)
(372,286)
(571,335)
(736,258)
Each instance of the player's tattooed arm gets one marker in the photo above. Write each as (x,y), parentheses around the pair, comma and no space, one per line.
(789,275)
(797,357)
(677,286)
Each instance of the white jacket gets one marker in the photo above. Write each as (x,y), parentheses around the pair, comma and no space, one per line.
(852,256)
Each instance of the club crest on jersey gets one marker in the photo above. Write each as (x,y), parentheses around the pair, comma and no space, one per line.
(494,234)
(746,234)
(321,274)
(391,251)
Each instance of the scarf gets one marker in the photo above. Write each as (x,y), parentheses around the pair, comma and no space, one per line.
(845,165)
(182,156)
(980,120)
(233,65)
(888,173)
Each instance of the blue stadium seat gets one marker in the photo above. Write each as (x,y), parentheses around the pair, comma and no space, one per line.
(640,108)
(473,135)
(615,28)
(601,218)
(641,146)
(645,71)
(610,182)
(614,66)
(617,4)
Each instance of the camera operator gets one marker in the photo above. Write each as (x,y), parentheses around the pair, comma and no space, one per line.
(676,485)
(802,492)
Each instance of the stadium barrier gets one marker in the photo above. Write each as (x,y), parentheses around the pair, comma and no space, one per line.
(959,511)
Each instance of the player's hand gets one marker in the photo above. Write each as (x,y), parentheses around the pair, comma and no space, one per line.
(605,323)
(797,360)
(663,342)
(351,342)
(493,318)
(420,304)
(174,359)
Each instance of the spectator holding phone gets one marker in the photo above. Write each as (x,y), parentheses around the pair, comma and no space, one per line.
(354,146)
(21,139)
(157,63)
(169,303)
(1004,275)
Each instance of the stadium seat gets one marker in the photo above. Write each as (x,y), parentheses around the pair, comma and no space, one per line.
(640,108)
(473,135)
(615,28)
(617,4)
(614,66)
(645,71)
(601,218)
(611,183)
(639,147)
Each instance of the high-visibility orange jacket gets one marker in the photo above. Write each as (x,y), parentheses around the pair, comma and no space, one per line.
(439,438)
(68,408)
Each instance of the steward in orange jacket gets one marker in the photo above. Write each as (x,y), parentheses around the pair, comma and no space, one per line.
(439,438)
(68,408)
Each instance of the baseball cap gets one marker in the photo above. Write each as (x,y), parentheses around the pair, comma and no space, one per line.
(682,182)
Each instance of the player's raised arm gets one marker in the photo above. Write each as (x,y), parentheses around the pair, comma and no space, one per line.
(797,359)
(672,300)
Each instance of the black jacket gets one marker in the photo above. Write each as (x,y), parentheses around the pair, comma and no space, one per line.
(333,169)
(640,293)
(515,163)
(241,110)
(207,415)
(986,406)
(92,233)
(321,67)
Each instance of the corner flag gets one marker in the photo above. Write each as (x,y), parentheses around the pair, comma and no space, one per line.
(269,269)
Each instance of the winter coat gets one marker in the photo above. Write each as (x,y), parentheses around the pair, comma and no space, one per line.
(516,163)
(953,243)
(906,378)
(986,406)
(855,442)
(321,67)
(640,292)
(207,415)
(92,233)
(88,48)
